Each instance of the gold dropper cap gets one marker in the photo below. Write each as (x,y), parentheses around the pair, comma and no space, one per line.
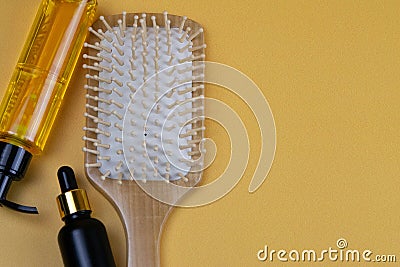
(72,199)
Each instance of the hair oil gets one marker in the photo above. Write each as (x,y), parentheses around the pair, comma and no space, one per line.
(38,85)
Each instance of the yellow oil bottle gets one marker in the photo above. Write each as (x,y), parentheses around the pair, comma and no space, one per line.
(38,84)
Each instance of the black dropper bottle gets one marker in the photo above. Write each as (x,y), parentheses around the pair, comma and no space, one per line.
(83,240)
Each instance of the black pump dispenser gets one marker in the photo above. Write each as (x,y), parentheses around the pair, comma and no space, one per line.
(83,240)
(14,161)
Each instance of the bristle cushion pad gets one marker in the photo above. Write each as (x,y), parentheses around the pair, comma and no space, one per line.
(153,115)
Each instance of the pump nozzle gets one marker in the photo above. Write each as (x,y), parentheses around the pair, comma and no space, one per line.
(13,163)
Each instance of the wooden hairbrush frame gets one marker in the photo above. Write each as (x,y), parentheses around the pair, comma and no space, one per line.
(143,216)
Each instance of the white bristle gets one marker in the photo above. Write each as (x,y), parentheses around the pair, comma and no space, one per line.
(170,128)
(191,89)
(119,60)
(169,45)
(115,80)
(124,21)
(85,138)
(106,23)
(89,67)
(107,146)
(97,89)
(194,153)
(108,38)
(108,69)
(165,14)
(115,90)
(203,46)
(132,74)
(117,70)
(121,28)
(132,62)
(194,35)
(96,98)
(127,56)
(187,146)
(120,105)
(153,19)
(119,50)
(182,24)
(144,29)
(97,109)
(116,114)
(191,58)
(185,34)
(105,175)
(173,68)
(119,127)
(183,177)
(194,141)
(119,165)
(92,46)
(107,158)
(119,38)
(119,178)
(101,37)
(144,16)
(171,59)
(171,83)
(103,47)
(130,85)
(91,151)
(191,69)
(86,56)
(108,59)
(97,120)
(93,165)
(171,92)
(168,27)
(134,33)
(186,47)
(97,78)
(131,111)
(189,110)
(98,131)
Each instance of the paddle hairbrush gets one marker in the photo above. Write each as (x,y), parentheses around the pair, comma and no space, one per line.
(145,119)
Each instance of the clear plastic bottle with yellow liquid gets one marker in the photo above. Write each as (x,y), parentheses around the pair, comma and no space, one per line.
(37,86)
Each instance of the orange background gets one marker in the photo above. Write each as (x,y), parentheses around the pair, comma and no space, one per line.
(329,70)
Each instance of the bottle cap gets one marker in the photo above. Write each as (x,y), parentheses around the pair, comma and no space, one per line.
(72,199)
(14,161)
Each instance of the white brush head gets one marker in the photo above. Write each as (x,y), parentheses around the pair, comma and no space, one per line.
(145,98)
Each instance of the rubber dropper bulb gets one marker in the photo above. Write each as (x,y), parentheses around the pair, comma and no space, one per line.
(66,179)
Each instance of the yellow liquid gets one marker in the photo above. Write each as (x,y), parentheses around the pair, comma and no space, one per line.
(44,69)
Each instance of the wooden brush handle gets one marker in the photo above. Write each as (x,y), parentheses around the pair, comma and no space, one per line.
(143,219)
